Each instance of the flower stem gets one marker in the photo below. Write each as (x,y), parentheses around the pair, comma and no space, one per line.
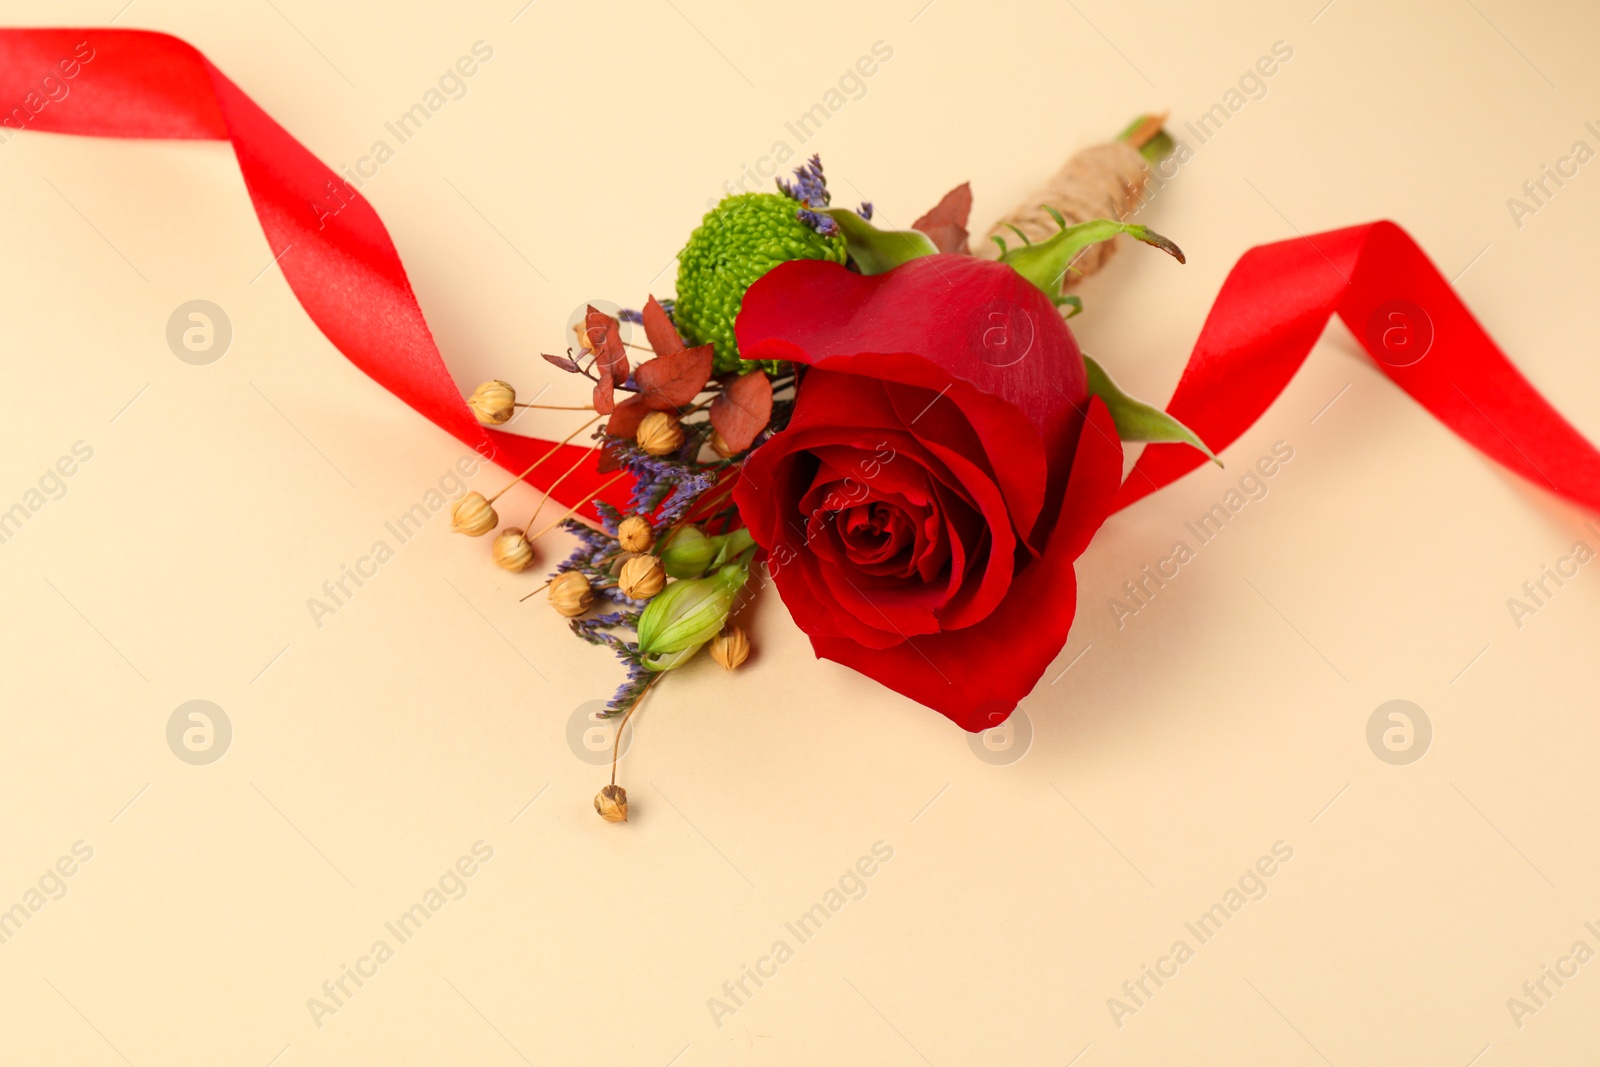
(631,709)
(559,445)
(545,498)
(537,591)
(574,509)
(698,508)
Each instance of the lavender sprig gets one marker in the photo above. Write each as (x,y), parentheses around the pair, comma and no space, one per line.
(810,190)
(631,689)
(810,186)
(665,489)
(821,223)
(596,631)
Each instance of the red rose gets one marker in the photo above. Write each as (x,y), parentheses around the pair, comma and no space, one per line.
(922,509)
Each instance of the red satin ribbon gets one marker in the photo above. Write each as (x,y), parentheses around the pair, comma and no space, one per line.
(347,275)
(341,265)
(1277,301)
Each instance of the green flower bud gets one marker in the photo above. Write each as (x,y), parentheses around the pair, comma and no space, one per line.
(731,545)
(668,660)
(687,614)
(688,552)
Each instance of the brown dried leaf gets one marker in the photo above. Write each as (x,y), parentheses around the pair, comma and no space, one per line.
(605,398)
(609,460)
(566,363)
(742,410)
(603,335)
(659,330)
(946,224)
(671,381)
(625,419)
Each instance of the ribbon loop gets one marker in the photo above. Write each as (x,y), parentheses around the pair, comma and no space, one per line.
(1274,306)
(331,245)
(344,269)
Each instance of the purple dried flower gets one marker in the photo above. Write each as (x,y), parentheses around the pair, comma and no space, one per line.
(629,691)
(690,488)
(665,488)
(821,223)
(615,595)
(809,187)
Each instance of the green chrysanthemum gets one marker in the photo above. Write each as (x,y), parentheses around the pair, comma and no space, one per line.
(737,242)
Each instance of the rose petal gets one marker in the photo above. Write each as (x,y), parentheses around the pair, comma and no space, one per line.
(970,528)
(915,394)
(978,320)
(987,539)
(976,676)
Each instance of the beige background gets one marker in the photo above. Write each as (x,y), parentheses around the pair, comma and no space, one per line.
(431,711)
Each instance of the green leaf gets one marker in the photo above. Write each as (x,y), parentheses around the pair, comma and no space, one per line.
(876,251)
(1045,263)
(1138,421)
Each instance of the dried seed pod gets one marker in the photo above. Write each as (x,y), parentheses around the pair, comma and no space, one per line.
(570,594)
(493,402)
(731,647)
(641,578)
(612,803)
(512,550)
(659,433)
(634,534)
(473,515)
